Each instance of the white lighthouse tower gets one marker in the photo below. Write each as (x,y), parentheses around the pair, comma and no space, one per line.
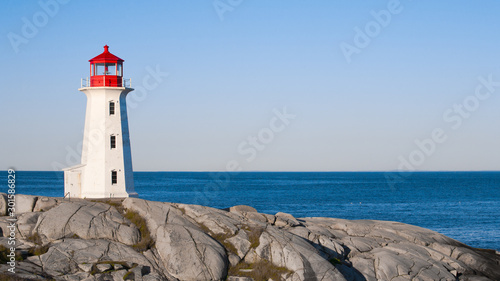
(106,165)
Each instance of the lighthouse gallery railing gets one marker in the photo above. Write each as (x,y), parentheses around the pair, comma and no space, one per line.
(127,83)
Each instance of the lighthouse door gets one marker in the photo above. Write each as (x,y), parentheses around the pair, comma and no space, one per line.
(73,182)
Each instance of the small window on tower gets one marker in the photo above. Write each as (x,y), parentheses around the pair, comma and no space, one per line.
(114,177)
(113,142)
(111,108)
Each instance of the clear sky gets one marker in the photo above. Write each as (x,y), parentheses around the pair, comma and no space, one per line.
(366,85)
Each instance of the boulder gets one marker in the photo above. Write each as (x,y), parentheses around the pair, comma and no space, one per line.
(87,220)
(44,204)
(25,203)
(284,219)
(68,256)
(214,220)
(26,223)
(241,243)
(284,249)
(189,254)
(242,209)
(3,204)
(157,214)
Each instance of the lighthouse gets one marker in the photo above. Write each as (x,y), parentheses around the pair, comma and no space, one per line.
(106,164)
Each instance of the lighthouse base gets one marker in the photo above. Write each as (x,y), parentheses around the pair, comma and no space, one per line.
(76,187)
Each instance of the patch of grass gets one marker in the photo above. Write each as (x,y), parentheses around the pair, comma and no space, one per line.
(254,235)
(35,238)
(221,238)
(4,251)
(117,203)
(129,276)
(3,254)
(335,261)
(204,228)
(94,270)
(183,211)
(39,250)
(122,263)
(262,270)
(146,241)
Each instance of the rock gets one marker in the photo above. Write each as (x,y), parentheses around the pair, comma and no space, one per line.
(256,217)
(242,209)
(26,223)
(87,220)
(157,214)
(104,267)
(241,243)
(270,218)
(119,274)
(186,249)
(284,249)
(239,278)
(118,266)
(44,204)
(3,204)
(189,254)
(25,203)
(86,267)
(68,256)
(81,276)
(216,221)
(284,219)
(233,259)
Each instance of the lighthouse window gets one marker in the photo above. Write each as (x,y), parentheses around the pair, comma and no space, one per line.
(99,69)
(114,177)
(113,142)
(111,108)
(119,70)
(110,69)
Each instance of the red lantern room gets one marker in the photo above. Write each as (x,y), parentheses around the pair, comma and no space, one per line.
(106,70)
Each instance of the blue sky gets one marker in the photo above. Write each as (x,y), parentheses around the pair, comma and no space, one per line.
(232,64)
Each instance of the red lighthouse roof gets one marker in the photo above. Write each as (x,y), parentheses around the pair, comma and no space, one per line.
(106,56)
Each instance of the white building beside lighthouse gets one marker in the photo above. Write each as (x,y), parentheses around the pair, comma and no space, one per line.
(106,165)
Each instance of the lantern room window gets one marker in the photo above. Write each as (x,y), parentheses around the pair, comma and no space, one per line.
(110,69)
(106,69)
(99,69)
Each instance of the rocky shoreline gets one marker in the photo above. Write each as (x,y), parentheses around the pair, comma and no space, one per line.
(135,239)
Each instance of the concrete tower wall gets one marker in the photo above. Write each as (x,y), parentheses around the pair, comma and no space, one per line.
(99,158)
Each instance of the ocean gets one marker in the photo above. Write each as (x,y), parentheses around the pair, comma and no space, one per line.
(461,205)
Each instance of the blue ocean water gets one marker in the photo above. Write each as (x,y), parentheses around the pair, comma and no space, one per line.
(462,205)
